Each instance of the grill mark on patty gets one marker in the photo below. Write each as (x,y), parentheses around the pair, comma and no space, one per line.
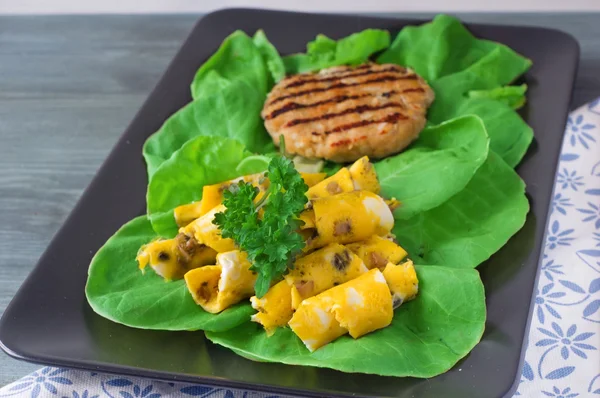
(292,106)
(334,77)
(414,90)
(381,79)
(391,118)
(358,110)
(341,142)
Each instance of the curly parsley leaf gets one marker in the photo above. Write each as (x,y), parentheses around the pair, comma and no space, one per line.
(270,236)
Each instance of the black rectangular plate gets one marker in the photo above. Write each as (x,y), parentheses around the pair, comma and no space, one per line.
(50,322)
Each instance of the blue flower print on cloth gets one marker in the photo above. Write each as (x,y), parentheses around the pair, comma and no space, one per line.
(568,179)
(39,384)
(580,131)
(63,383)
(563,356)
(561,203)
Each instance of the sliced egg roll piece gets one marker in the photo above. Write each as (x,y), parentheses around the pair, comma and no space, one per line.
(204,231)
(321,270)
(364,176)
(357,307)
(308,218)
(274,308)
(218,287)
(351,217)
(315,324)
(337,183)
(377,252)
(308,235)
(312,179)
(311,237)
(402,281)
(212,195)
(364,304)
(185,214)
(203,285)
(312,274)
(172,258)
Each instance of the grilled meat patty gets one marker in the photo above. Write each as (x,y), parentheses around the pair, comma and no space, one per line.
(343,113)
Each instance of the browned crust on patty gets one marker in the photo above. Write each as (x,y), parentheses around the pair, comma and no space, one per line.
(344,113)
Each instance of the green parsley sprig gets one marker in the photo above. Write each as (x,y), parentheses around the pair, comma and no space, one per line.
(271,241)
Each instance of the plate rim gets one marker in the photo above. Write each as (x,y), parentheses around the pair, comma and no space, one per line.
(219,381)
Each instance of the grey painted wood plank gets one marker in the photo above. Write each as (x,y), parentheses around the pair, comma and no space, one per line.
(68,88)
(69,85)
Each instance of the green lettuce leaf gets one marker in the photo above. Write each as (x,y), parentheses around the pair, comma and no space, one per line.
(436,167)
(443,47)
(499,67)
(427,336)
(472,225)
(331,168)
(270,56)
(324,52)
(237,59)
(229,91)
(201,161)
(118,291)
(467,75)
(510,136)
(431,49)
(231,111)
(513,96)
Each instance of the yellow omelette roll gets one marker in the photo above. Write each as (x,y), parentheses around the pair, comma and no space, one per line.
(312,179)
(312,274)
(337,183)
(212,196)
(308,235)
(185,214)
(359,176)
(204,231)
(402,281)
(172,258)
(364,304)
(315,324)
(274,308)
(357,307)
(364,176)
(351,217)
(308,218)
(377,252)
(323,269)
(218,287)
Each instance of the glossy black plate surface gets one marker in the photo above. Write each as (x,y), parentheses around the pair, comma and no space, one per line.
(50,322)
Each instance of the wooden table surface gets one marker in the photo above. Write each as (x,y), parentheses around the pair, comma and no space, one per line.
(69,85)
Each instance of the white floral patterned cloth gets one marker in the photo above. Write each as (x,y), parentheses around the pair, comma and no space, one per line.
(563,356)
